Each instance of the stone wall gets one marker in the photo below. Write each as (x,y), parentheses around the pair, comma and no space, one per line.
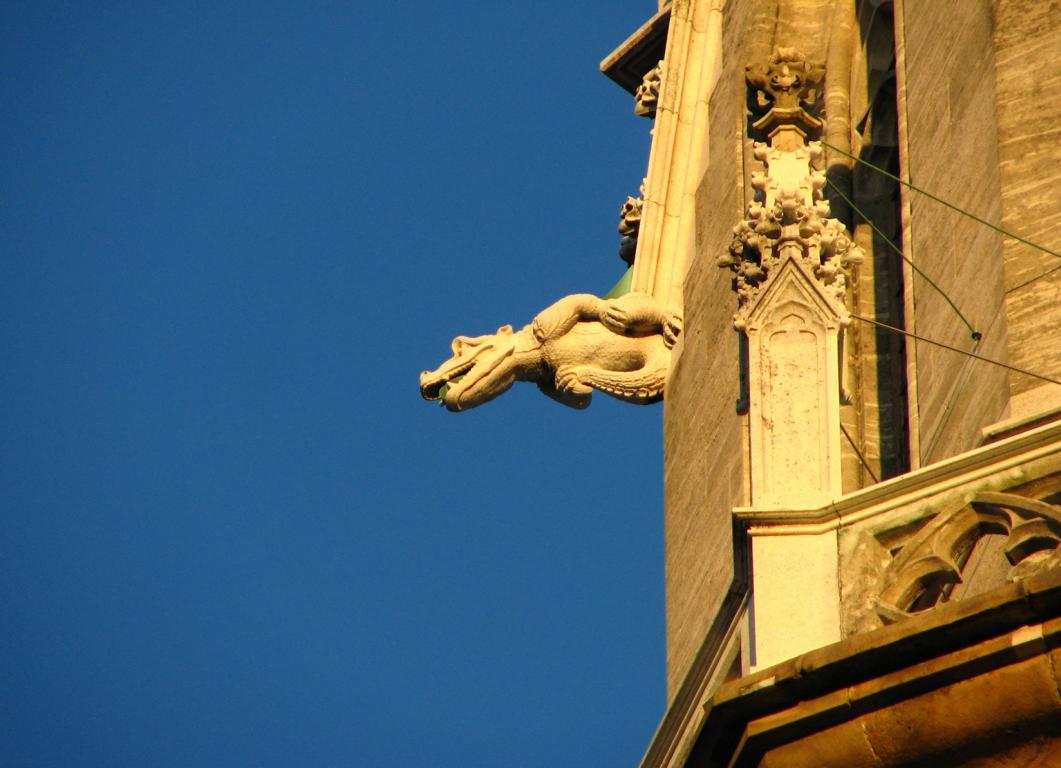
(995,164)
(703,433)
(952,150)
(1027,38)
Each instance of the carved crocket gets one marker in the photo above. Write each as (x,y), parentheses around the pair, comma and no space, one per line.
(621,347)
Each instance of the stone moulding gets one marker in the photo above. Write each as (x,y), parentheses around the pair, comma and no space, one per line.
(668,230)
(579,344)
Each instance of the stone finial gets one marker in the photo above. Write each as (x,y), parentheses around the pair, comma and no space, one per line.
(581,343)
(786,90)
(646,97)
(789,217)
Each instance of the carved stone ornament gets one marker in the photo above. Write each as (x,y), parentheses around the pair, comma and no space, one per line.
(621,347)
(790,217)
(630,226)
(786,89)
(789,260)
(646,97)
(938,557)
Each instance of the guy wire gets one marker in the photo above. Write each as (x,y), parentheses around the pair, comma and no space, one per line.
(956,349)
(941,201)
(1034,279)
(975,333)
(860,456)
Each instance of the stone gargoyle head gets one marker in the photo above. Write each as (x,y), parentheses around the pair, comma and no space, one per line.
(480,369)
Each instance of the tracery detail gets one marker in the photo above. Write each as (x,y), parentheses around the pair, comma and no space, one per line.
(927,567)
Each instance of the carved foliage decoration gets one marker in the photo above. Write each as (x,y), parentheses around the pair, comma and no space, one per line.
(928,566)
(790,217)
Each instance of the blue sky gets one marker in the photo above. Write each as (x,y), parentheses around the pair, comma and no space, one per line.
(233,534)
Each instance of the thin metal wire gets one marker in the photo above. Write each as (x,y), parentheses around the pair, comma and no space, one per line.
(956,349)
(860,456)
(1034,279)
(975,333)
(941,201)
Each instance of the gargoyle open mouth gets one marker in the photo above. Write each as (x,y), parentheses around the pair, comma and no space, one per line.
(433,385)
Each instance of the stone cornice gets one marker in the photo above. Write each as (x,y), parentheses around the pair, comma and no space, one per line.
(639,53)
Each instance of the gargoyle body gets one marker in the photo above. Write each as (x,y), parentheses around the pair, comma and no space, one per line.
(621,347)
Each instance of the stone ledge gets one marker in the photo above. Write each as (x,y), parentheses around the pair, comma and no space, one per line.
(918,668)
(1030,409)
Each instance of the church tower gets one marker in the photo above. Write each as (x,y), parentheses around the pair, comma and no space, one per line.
(852,203)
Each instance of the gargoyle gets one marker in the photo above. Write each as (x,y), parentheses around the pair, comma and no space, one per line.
(621,347)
